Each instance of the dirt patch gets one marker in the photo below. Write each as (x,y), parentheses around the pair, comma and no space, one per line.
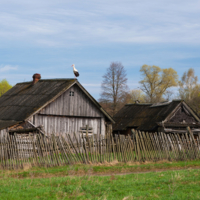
(27,166)
(92,173)
(113,163)
(106,169)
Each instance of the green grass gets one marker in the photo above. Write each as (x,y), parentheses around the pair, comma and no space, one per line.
(55,182)
(183,184)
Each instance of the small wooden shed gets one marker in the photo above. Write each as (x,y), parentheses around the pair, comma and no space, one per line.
(168,117)
(59,105)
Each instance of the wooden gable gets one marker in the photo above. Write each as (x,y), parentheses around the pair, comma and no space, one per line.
(183,115)
(69,112)
(73,102)
(179,119)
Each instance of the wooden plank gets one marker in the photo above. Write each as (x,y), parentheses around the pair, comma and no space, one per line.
(137,146)
(34,152)
(6,153)
(153,142)
(193,141)
(147,146)
(1,152)
(165,142)
(79,149)
(143,146)
(68,150)
(190,149)
(182,147)
(185,145)
(47,157)
(76,155)
(85,148)
(176,152)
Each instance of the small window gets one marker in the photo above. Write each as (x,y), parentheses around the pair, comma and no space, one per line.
(71,93)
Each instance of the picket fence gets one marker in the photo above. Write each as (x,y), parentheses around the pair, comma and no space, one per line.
(17,150)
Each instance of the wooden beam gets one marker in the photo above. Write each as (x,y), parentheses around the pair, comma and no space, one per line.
(26,130)
(88,117)
(168,125)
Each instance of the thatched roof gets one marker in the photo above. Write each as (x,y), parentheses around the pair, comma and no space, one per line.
(25,99)
(144,116)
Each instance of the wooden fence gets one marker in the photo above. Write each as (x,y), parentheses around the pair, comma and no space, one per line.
(17,150)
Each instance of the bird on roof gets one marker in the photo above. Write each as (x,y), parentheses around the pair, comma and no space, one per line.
(76,74)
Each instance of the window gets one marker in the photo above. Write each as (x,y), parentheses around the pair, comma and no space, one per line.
(71,93)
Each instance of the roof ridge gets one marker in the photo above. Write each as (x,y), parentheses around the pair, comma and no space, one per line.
(56,79)
(139,104)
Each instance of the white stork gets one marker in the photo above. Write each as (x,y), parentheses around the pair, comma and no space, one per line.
(76,74)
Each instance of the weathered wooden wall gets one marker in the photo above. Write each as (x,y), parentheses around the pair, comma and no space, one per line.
(77,105)
(68,113)
(3,133)
(59,124)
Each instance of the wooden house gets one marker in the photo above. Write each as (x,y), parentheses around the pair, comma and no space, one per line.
(167,117)
(59,105)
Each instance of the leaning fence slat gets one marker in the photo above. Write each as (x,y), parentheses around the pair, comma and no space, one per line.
(189,144)
(165,145)
(1,153)
(17,150)
(79,149)
(183,137)
(146,146)
(64,153)
(68,150)
(153,145)
(118,148)
(137,146)
(13,149)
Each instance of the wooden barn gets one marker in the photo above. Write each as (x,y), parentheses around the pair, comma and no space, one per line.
(59,105)
(167,117)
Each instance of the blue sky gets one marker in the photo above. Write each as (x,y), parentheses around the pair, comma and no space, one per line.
(47,37)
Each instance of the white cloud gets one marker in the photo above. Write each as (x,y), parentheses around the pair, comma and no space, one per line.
(4,68)
(67,24)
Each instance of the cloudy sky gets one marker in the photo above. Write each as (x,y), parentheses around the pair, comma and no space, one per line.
(48,36)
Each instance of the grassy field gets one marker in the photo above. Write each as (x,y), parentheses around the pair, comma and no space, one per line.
(98,169)
(55,183)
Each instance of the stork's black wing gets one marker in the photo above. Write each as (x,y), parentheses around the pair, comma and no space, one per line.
(76,74)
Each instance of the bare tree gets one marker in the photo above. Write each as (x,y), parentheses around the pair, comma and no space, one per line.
(114,87)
